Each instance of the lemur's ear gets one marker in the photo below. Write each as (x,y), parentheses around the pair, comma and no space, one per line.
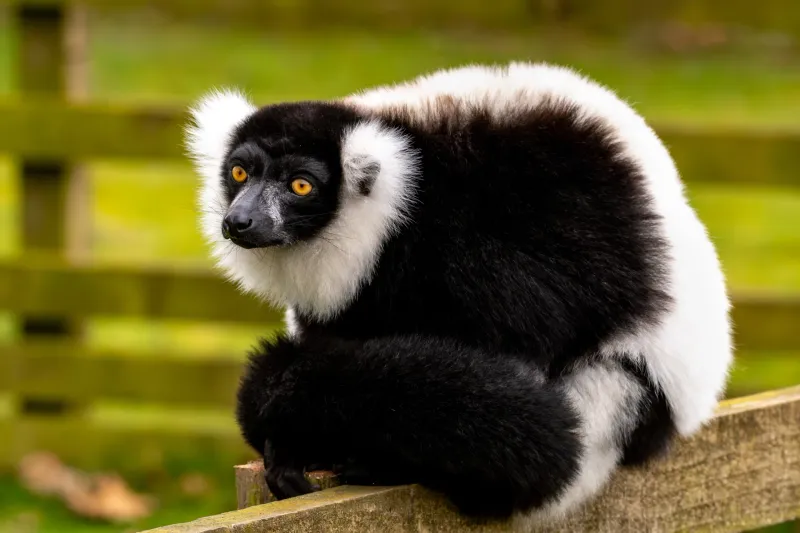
(361,171)
(379,170)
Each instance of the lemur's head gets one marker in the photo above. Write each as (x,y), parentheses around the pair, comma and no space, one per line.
(298,193)
(282,176)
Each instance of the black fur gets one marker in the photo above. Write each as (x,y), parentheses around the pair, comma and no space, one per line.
(656,429)
(481,428)
(299,145)
(532,242)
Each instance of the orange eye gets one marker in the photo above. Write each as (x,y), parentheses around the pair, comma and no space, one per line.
(301,187)
(239,174)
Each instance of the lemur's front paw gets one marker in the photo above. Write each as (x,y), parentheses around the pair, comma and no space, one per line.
(285,479)
(288,481)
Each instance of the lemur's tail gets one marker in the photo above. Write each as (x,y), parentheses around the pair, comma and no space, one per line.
(487,430)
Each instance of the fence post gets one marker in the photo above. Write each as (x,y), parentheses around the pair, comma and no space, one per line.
(54,193)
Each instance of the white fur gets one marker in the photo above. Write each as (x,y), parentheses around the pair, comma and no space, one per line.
(319,277)
(214,118)
(290,322)
(606,399)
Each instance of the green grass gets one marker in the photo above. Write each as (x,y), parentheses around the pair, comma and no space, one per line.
(144,212)
(23,512)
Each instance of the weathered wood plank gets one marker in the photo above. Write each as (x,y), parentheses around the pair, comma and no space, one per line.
(72,372)
(350,509)
(45,287)
(78,131)
(740,472)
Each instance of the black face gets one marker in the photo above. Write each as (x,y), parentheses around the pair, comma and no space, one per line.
(283,174)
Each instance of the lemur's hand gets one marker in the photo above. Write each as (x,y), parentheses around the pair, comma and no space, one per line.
(285,478)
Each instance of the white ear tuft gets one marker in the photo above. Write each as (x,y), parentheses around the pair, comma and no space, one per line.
(215,116)
(379,162)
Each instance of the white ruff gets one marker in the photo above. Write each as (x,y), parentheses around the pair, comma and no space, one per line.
(321,276)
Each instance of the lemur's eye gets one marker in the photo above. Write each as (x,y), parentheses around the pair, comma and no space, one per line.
(239,174)
(301,187)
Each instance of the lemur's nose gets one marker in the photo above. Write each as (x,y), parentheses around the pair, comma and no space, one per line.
(237,223)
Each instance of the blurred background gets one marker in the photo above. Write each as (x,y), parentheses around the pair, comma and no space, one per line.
(120,348)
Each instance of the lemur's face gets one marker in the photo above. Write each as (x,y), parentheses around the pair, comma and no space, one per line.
(297,199)
(277,197)
(282,177)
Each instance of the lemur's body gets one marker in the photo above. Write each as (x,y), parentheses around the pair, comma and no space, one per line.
(500,292)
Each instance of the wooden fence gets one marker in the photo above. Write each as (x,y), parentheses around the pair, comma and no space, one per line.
(52,288)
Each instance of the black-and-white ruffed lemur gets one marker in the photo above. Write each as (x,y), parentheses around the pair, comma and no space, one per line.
(494,285)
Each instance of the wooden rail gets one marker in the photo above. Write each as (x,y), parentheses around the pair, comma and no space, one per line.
(740,472)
